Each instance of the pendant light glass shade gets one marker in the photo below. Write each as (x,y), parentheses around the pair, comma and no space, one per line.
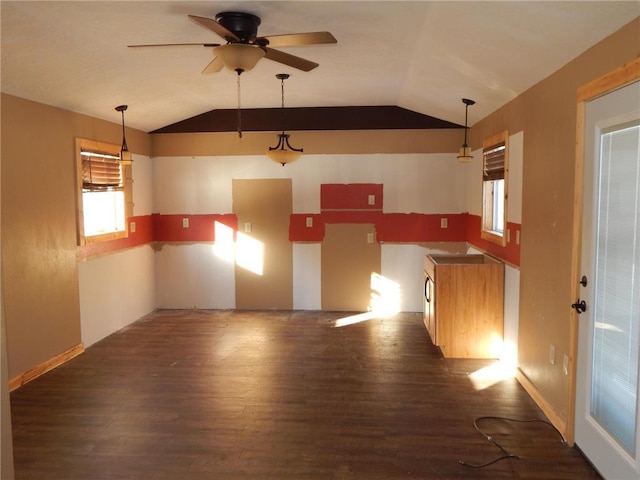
(125,154)
(238,56)
(465,150)
(281,154)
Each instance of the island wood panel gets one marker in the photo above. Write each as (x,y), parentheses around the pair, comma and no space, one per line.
(468,306)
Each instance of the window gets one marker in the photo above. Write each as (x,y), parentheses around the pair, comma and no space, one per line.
(495,168)
(103,192)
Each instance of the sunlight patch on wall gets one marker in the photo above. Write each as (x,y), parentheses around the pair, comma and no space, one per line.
(385,302)
(246,251)
(224,247)
(385,295)
(249,253)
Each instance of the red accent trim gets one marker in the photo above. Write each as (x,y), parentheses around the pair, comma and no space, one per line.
(509,253)
(416,227)
(168,228)
(299,232)
(142,235)
(351,196)
(390,227)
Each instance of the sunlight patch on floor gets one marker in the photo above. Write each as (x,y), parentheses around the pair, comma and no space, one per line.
(502,369)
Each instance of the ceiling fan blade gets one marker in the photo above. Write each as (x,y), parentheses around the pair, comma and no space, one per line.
(294,39)
(176,45)
(288,59)
(214,66)
(211,24)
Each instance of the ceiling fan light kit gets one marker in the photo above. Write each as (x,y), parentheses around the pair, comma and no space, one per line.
(465,150)
(283,152)
(245,48)
(239,57)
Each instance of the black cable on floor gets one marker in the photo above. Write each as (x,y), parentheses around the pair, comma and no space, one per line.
(507,454)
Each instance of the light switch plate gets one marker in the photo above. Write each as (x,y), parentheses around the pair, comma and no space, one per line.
(370,238)
(185,222)
(444,222)
(309,222)
(371,199)
(132,227)
(247,227)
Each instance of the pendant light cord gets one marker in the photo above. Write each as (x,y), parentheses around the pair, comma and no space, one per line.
(282,103)
(239,108)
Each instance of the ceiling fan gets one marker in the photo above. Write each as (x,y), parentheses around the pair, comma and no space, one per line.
(244,48)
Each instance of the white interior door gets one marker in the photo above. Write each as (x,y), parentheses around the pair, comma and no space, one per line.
(607,402)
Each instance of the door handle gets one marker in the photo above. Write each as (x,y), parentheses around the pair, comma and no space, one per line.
(427,297)
(580,306)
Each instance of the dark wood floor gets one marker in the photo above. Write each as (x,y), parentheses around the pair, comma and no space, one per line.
(276,395)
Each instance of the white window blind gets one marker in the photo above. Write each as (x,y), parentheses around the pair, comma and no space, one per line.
(617,292)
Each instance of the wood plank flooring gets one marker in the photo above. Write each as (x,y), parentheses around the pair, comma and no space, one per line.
(236,395)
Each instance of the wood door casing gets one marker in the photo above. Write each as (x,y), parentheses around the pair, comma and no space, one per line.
(264,206)
(348,260)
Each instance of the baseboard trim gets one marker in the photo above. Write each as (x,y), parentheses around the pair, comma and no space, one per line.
(551,413)
(45,367)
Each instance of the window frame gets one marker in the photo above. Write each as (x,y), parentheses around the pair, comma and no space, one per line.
(127,181)
(487,232)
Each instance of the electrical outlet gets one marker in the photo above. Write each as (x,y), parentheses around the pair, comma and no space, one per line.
(371,200)
(185,222)
(132,227)
(444,222)
(309,222)
(508,235)
(552,354)
(247,227)
(517,237)
(565,364)
(370,238)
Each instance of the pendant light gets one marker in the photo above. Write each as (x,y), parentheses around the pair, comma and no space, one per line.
(283,152)
(465,150)
(125,154)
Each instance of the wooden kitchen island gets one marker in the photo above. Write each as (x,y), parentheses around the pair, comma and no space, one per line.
(464,303)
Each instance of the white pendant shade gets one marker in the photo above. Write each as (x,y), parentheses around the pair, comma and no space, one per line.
(465,154)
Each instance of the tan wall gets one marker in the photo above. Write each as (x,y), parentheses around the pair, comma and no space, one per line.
(39,275)
(547,115)
(357,141)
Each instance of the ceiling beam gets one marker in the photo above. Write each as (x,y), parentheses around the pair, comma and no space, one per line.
(309,118)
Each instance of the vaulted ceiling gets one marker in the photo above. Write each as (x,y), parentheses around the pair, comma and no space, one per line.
(422,56)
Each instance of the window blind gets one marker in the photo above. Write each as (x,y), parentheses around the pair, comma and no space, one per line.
(100,172)
(493,162)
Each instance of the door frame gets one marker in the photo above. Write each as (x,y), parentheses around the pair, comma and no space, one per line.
(618,78)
